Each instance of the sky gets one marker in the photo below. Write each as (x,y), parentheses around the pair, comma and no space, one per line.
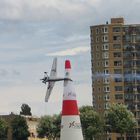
(33,32)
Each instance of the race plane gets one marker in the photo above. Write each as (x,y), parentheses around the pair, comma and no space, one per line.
(51,79)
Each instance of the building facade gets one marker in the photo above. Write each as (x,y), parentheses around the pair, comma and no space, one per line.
(115,59)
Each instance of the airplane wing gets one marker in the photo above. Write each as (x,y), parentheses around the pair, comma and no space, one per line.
(49,90)
(53,74)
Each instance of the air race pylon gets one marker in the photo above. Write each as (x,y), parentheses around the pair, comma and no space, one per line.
(70,122)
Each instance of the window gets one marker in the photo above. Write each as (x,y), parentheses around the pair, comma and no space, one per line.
(106,71)
(106,89)
(116,46)
(117,63)
(99,106)
(117,54)
(129,96)
(99,97)
(106,106)
(118,79)
(98,71)
(116,37)
(106,97)
(97,39)
(91,31)
(97,30)
(106,80)
(97,48)
(97,55)
(128,48)
(102,30)
(105,38)
(94,104)
(98,80)
(119,138)
(118,88)
(127,54)
(116,29)
(126,29)
(98,63)
(138,71)
(117,71)
(105,30)
(133,38)
(134,72)
(128,89)
(93,97)
(127,63)
(106,55)
(119,96)
(106,63)
(105,47)
(127,38)
(138,38)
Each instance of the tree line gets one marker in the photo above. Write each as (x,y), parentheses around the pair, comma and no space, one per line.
(118,119)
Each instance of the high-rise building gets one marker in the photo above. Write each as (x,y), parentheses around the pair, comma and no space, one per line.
(115,57)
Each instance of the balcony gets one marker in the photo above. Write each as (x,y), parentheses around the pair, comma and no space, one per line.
(132,89)
(117,63)
(127,65)
(132,48)
(129,97)
(116,38)
(132,55)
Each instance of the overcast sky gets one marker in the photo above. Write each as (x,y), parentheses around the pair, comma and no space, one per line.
(32,32)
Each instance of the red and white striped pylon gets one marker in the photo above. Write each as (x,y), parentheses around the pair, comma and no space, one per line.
(70,122)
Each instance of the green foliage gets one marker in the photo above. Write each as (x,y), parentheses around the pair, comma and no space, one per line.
(57,125)
(19,128)
(120,120)
(92,125)
(25,110)
(3,130)
(49,126)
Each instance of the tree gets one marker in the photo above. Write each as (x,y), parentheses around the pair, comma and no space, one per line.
(19,128)
(49,126)
(120,119)
(57,125)
(25,110)
(92,124)
(3,130)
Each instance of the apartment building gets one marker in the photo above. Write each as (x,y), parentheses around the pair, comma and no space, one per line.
(115,59)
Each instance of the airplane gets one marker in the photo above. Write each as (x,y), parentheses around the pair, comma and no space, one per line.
(52,79)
